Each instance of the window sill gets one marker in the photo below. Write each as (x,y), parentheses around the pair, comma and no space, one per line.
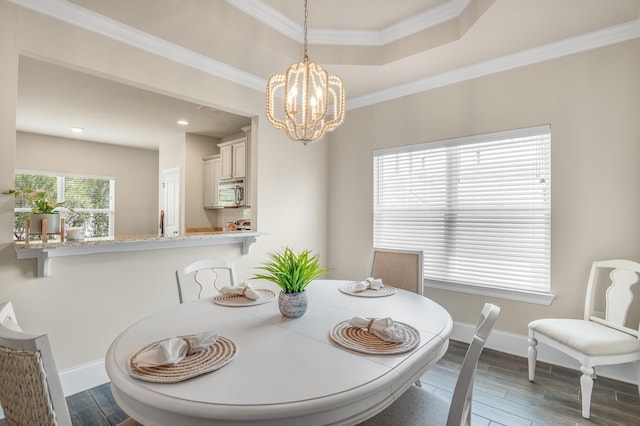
(520,296)
(45,252)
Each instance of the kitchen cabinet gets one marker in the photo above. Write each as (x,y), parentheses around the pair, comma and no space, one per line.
(233,158)
(212,171)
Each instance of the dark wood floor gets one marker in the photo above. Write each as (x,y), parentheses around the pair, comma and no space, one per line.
(95,407)
(503,395)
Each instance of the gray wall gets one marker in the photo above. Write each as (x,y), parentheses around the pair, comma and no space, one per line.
(135,172)
(89,299)
(592,102)
(320,196)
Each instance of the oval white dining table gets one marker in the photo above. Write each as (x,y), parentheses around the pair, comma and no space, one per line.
(287,371)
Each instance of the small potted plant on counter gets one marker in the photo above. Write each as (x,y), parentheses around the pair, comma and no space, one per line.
(292,272)
(41,208)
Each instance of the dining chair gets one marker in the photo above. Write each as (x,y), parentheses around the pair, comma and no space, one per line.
(30,388)
(417,406)
(206,269)
(603,336)
(398,268)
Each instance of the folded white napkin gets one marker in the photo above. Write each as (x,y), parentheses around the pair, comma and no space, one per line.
(173,350)
(201,341)
(245,289)
(383,328)
(369,283)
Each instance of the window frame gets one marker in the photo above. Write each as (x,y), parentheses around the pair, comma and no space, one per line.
(60,194)
(537,296)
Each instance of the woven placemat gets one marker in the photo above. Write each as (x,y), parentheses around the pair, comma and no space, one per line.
(349,288)
(216,356)
(266,296)
(360,340)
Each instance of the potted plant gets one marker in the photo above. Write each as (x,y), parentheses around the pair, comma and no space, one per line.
(292,272)
(41,208)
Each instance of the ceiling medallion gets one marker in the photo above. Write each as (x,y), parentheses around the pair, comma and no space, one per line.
(312,100)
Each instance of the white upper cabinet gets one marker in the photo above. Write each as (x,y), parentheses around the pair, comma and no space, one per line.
(212,168)
(226,167)
(239,160)
(233,156)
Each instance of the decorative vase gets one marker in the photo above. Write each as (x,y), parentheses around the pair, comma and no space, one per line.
(53,223)
(293,305)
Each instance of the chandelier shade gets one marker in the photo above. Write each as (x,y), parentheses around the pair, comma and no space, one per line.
(305,102)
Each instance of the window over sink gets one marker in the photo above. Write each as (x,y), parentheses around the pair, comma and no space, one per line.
(91,198)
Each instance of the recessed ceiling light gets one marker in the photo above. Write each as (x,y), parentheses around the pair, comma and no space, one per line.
(208,108)
(183,122)
(77,129)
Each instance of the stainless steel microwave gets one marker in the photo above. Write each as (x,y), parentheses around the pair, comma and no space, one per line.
(231,193)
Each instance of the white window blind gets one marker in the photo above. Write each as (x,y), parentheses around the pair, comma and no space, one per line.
(479,207)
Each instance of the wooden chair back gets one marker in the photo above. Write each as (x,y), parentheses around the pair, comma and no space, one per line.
(206,274)
(618,296)
(460,409)
(398,268)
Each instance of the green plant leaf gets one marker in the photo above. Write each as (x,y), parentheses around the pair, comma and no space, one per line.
(40,204)
(291,271)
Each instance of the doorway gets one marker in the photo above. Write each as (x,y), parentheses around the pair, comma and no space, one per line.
(170,189)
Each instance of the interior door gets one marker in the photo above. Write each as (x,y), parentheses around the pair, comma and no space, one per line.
(171,200)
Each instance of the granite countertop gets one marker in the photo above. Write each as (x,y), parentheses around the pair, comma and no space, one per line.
(45,252)
(136,238)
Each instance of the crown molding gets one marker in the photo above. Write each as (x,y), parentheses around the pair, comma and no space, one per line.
(429,18)
(269,16)
(78,16)
(605,37)
(257,9)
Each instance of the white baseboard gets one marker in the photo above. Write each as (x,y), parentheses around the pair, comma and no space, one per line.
(516,344)
(83,377)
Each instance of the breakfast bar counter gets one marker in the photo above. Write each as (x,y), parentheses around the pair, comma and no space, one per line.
(45,252)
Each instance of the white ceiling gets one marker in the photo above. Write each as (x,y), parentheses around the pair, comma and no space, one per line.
(381,49)
(51,99)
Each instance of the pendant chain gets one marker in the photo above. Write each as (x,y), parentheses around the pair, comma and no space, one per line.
(306,14)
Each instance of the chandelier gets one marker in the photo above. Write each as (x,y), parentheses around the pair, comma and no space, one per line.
(312,101)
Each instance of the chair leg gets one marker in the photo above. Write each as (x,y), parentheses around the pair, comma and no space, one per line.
(586,387)
(638,375)
(533,355)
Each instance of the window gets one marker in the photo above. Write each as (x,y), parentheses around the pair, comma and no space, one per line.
(479,207)
(91,198)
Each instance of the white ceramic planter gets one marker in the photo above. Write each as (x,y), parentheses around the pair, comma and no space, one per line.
(53,223)
(75,234)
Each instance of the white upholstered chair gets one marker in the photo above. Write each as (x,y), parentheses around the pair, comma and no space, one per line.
(603,336)
(419,407)
(397,268)
(206,273)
